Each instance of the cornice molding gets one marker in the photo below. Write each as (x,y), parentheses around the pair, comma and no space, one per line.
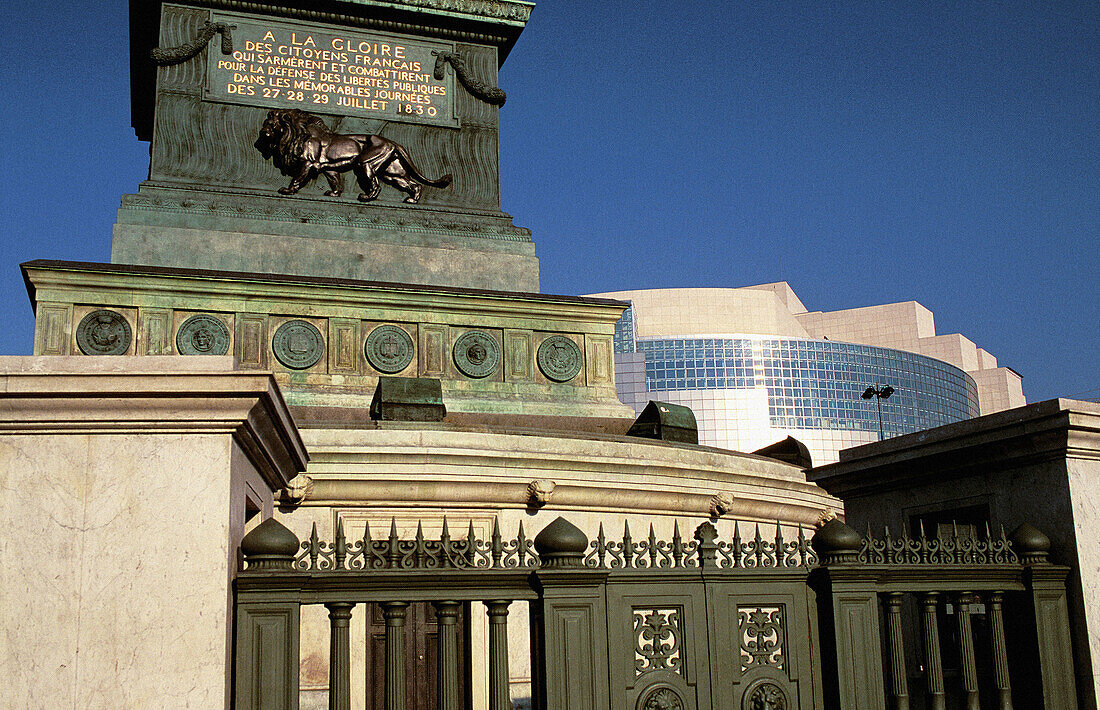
(153,395)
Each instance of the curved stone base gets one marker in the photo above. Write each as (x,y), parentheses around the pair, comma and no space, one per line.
(437,466)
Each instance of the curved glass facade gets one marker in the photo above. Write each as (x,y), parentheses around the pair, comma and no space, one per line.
(815,384)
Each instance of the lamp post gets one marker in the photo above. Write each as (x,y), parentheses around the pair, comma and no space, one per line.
(879,395)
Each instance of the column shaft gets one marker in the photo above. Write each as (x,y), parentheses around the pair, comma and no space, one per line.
(1000,651)
(899,686)
(339,656)
(446,614)
(966,652)
(933,661)
(394,613)
(499,698)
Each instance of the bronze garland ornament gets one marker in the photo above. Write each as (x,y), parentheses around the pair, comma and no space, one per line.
(492,95)
(301,146)
(177,55)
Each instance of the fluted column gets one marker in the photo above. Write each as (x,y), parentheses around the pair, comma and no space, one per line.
(1000,651)
(966,652)
(499,698)
(899,685)
(394,613)
(339,658)
(933,662)
(446,615)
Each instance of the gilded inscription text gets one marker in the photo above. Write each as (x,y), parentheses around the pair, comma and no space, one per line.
(325,70)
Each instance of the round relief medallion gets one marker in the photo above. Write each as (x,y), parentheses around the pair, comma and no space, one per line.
(298,344)
(765,695)
(662,698)
(389,349)
(559,358)
(476,354)
(202,335)
(103,332)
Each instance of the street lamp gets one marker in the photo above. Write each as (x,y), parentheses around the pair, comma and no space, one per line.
(879,395)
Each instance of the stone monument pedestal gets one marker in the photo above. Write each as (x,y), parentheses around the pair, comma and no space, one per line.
(128,485)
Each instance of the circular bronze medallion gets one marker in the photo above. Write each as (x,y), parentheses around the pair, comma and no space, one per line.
(298,344)
(476,354)
(765,695)
(660,698)
(103,332)
(388,349)
(202,335)
(559,358)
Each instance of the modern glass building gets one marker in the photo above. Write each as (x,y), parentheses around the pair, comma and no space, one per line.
(749,390)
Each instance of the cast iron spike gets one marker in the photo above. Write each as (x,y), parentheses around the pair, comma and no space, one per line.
(445,545)
(391,553)
(471,543)
(314,546)
(497,549)
(628,545)
(340,547)
(521,546)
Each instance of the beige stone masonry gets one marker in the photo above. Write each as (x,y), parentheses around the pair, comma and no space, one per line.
(127,483)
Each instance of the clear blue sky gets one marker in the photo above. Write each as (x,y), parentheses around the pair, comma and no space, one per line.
(866,152)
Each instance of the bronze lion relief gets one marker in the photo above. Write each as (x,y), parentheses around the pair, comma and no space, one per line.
(301,146)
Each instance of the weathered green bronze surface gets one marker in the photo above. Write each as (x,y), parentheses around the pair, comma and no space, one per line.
(298,344)
(389,349)
(418,75)
(668,422)
(103,332)
(408,399)
(202,335)
(560,358)
(331,69)
(476,354)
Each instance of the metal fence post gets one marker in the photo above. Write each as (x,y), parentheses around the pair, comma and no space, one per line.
(569,624)
(1046,584)
(267,619)
(855,618)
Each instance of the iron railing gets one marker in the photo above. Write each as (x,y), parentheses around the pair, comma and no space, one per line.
(769,619)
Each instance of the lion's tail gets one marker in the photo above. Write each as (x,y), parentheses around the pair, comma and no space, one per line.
(403,155)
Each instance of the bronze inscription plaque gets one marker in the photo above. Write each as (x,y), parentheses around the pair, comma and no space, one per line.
(324,69)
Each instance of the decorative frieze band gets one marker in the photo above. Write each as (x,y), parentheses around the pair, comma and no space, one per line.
(334,344)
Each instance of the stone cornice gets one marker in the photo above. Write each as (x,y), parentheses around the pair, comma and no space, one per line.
(1044,431)
(153,395)
(509,11)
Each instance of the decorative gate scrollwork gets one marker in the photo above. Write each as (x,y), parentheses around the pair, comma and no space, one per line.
(761,631)
(657,640)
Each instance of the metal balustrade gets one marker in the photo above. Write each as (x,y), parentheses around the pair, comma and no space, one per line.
(769,619)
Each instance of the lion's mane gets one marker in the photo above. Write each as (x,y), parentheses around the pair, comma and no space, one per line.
(284,135)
